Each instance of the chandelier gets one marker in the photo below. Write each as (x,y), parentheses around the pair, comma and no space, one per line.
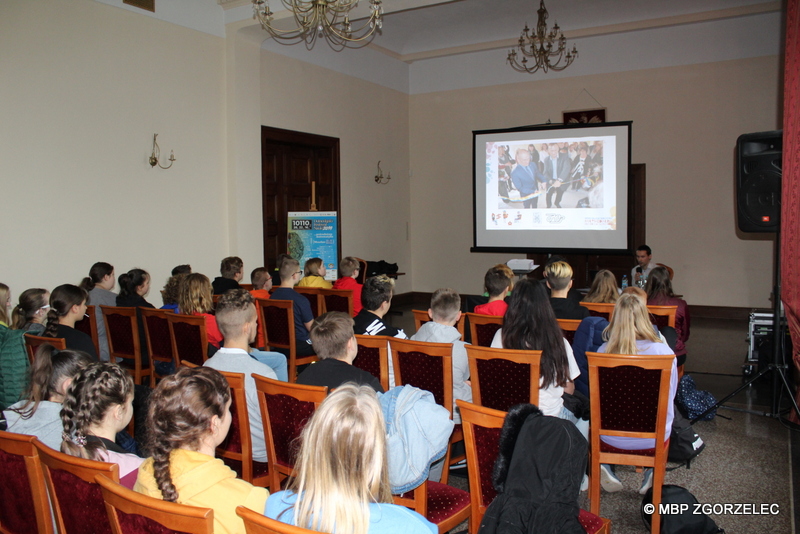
(545,49)
(321,18)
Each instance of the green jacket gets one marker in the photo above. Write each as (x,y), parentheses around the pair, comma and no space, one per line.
(13,366)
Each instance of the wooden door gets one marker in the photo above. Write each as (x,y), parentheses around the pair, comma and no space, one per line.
(290,162)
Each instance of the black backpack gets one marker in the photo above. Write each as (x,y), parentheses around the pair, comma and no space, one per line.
(684,443)
(684,517)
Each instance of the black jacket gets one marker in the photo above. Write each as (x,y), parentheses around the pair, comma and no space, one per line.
(537,475)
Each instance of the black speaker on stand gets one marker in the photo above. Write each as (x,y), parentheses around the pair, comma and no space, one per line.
(758,205)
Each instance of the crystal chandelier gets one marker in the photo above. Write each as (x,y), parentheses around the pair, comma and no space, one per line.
(321,18)
(545,49)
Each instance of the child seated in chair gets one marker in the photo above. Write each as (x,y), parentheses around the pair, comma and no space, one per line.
(349,268)
(303,317)
(497,284)
(445,311)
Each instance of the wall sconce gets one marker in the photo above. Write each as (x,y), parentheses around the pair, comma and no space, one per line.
(157,154)
(379,179)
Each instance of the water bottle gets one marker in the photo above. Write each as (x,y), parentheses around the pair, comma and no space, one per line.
(624,282)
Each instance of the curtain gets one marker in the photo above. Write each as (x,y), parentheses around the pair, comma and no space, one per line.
(790,201)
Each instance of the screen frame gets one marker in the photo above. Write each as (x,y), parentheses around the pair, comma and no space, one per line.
(553,250)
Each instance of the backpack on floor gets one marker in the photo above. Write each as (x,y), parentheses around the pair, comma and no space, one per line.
(684,443)
(692,401)
(682,519)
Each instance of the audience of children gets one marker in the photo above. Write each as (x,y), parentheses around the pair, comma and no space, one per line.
(445,311)
(188,417)
(314,274)
(236,317)
(51,374)
(335,344)
(604,288)
(97,405)
(497,283)
(349,268)
(559,280)
(30,313)
(232,271)
(99,284)
(342,482)
(194,298)
(303,317)
(68,306)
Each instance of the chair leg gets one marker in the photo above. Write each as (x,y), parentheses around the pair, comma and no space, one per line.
(594,488)
(446,465)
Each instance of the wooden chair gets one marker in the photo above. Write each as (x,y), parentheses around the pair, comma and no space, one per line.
(629,398)
(314,298)
(668,268)
(428,366)
(255,523)
(569,327)
(285,409)
(338,300)
(159,340)
(189,338)
(442,505)
(130,512)
(76,499)
(663,315)
(373,357)
(88,325)
(482,439)
(237,449)
(277,322)
(421,317)
(502,378)
(32,343)
(122,327)
(362,271)
(599,309)
(482,328)
(24,508)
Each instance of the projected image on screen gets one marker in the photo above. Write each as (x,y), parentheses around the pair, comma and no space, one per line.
(552,187)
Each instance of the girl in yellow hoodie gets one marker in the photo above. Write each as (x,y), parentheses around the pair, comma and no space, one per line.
(189,416)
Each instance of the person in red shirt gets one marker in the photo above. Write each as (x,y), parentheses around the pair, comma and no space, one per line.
(497,284)
(348,272)
(194,298)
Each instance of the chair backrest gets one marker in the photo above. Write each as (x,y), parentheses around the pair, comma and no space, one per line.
(599,309)
(629,394)
(421,317)
(122,327)
(482,328)
(482,428)
(23,495)
(373,357)
(338,300)
(277,322)
(569,326)
(255,523)
(424,365)
(314,298)
(502,378)
(668,268)
(130,512)
(159,340)
(88,325)
(238,444)
(663,315)
(189,337)
(76,499)
(285,409)
(32,343)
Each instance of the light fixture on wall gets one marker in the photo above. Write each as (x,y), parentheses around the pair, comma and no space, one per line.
(321,18)
(157,154)
(545,48)
(379,178)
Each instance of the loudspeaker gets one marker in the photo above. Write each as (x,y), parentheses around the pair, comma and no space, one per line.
(758,181)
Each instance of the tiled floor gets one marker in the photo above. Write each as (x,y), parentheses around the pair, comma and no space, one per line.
(748,456)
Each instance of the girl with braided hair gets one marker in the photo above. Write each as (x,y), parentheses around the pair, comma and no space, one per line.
(67,307)
(98,405)
(30,313)
(51,374)
(188,417)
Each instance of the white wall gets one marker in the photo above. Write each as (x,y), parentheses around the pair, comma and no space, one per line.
(84,88)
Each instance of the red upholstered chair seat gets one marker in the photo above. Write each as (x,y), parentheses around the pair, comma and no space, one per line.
(81,504)
(591,523)
(444,501)
(16,500)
